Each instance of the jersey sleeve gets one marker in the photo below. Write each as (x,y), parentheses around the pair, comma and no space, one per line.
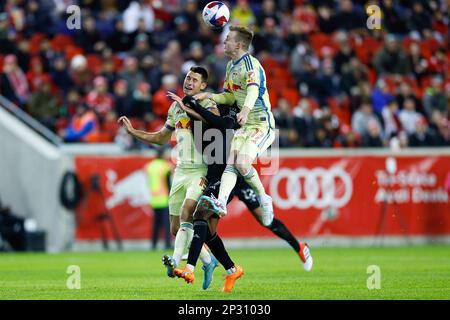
(252,74)
(170,122)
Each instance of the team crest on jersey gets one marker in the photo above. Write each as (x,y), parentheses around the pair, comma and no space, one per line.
(183,123)
(251,76)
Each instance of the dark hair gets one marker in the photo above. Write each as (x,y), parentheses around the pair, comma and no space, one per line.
(244,35)
(202,71)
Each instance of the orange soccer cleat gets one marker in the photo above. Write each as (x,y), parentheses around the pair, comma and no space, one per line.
(230,279)
(185,273)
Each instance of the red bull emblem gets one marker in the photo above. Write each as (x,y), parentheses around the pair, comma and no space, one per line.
(183,123)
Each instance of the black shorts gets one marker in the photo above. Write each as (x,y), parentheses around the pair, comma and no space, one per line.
(244,192)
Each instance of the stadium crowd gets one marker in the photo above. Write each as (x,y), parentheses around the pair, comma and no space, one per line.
(332,81)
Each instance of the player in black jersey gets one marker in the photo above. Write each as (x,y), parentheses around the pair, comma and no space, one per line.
(204,217)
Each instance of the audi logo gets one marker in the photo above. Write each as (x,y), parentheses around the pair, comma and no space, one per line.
(321,188)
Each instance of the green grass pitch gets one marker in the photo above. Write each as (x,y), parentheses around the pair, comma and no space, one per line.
(338,273)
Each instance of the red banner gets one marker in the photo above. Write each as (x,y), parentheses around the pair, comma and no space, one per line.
(313,196)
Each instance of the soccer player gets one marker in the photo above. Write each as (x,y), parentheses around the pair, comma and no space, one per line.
(245,193)
(189,177)
(245,84)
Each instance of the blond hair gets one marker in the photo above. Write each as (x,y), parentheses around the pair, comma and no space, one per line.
(244,35)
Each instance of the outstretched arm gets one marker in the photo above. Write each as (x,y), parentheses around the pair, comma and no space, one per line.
(160,137)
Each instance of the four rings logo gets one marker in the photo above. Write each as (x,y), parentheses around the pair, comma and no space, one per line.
(319,188)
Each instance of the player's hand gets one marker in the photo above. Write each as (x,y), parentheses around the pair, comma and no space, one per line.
(243,116)
(177,99)
(126,123)
(203,95)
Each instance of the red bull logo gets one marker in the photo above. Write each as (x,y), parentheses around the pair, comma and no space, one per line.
(183,123)
(234,87)
(132,189)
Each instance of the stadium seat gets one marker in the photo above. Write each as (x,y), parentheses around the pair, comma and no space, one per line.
(94,63)
(61,41)
(291,94)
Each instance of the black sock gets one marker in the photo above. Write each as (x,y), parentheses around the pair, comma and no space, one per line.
(200,232)
(280,230)
(216,246)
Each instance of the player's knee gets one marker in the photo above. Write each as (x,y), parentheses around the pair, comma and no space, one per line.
(243,168)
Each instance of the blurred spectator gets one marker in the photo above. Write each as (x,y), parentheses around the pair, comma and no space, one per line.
(161,35)
(421,137)
(131,73)
(362,117)
(393,18)
(381,96)
(344,55)
(99,100)
(138,10)
(174,56)
(347,138)
(60,76)
(43,105)
(440,129)
(268,10)
(191,13)
(141,101)
(392,124)
(123,100)
(409,116)
(439,63)
(161,102)
(434,98)
(37,18)
(36,73)
(270,40)
(142,47)
(89,39)
(404,91)
(195,58)
(304,123)
(182,33)
(13,82)
(419,19)
(353,73)
(326,19)
(284,121)
(348,17)
(83,127)
(372,138)
(417,61)
(80,74)
(391,59)
(6,37)
(71,103)
(23,55)
(119,40)
(326,83)
(242,14)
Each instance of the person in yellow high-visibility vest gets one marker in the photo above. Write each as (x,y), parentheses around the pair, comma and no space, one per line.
(159,173)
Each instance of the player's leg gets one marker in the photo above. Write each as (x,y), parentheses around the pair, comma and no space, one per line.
(167,260)
(215,243)
(200,232)
(257,141)
(229,176)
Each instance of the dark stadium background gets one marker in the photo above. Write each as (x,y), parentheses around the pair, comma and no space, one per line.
(332,81)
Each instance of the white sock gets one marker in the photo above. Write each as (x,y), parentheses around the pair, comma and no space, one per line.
(190,267)
(182,241)
(231,270)
(205,257)
(227,182)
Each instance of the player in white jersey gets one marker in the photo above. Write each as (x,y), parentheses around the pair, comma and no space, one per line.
(189,178)
(245,84)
